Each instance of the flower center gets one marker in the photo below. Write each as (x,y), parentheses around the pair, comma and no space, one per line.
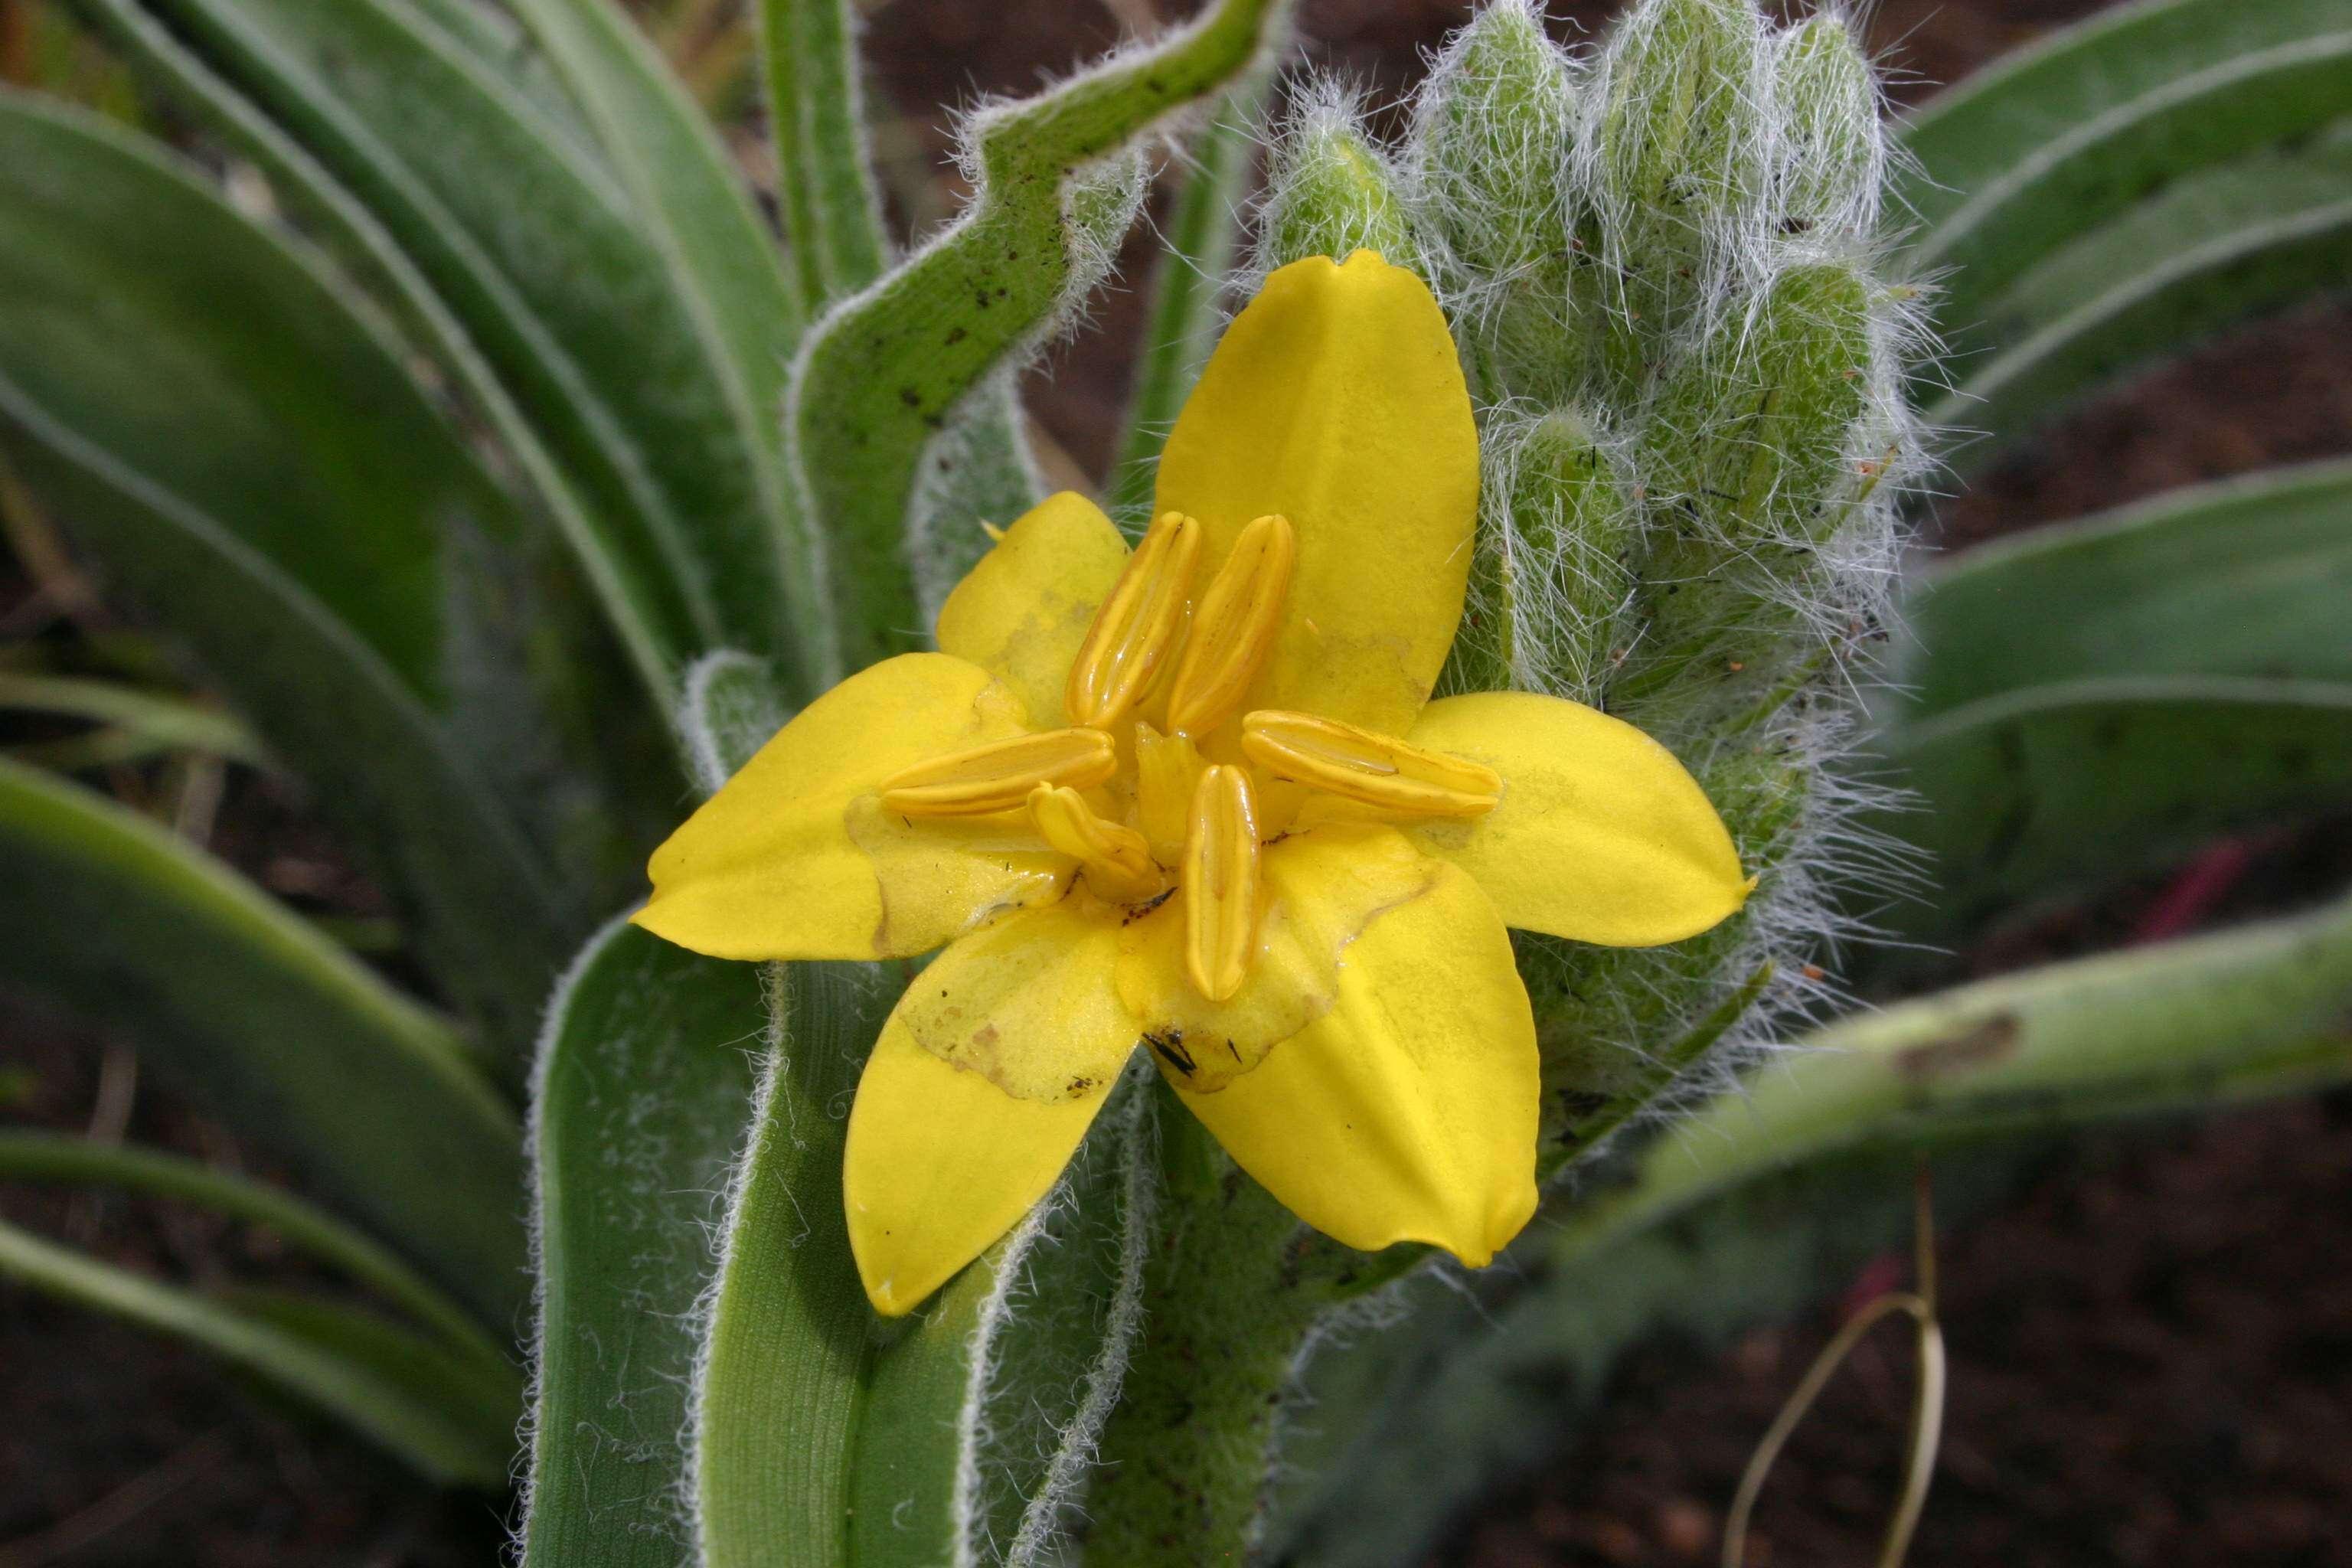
(1140,821)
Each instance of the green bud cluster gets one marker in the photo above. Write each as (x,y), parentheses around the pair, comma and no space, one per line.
(1661,263)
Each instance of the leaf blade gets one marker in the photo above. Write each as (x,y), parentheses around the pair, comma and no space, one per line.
(2056,140)
(313,559)
(725,263)
(887,369)
(640,1089)
(385,1384)
(128,923)
(2031,793)
(2247,577)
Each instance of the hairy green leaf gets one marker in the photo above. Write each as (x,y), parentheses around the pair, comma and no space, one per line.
(2207,253)
(2050,788)
(36,1156)
(253,1009)
(884,373)
(242,449)
(643,1079)
(2249,577)
(539,248)
(2053,142)
(789,1334)
(729,708)
(724,262)
(2184,1026)
(433,1409)
(832,213)
(822,1434)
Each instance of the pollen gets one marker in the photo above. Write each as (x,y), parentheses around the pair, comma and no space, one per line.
(1137,626)
(1115,861)
(1233,628)
(1000,775)
(1221,869)
(1374,770)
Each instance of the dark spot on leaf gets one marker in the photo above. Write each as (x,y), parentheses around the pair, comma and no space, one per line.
(1987,1043)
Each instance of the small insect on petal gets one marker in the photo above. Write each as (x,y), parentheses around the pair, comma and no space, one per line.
(1117,863)
(1137,626)
(1233,628)
(999,775)
(1220,873)
(1359,765)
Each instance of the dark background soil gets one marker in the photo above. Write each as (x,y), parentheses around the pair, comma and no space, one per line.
(2151,1347)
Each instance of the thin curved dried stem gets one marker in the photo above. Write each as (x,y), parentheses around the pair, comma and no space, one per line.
(1927,1410)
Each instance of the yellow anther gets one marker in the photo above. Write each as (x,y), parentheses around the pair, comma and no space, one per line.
(999,775)
(1342,760)
(1167,769)
(1221,883)
(1113,859)
(1233,628)
(1137,626)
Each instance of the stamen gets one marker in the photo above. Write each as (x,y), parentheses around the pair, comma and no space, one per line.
(999,775)
(1167,769)
(1233,628)
(1362,766)
(1221,883)
(1137,626)
(1114,860)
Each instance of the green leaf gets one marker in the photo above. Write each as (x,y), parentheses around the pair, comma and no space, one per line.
(724,263)
(2049,788)
(27,1155)
(2056,140)
(816,114)
(2209,252)
(824,1434)
(789,1333)
(643,1080)
(155,721)
(434,1410)
(1405,1435)
(372,256)
(238,447)
(978,1428)
(536,246)
(1203,239)
(305,1049)
(2180,1027)
(730,707)
(881,375)
(2249,577)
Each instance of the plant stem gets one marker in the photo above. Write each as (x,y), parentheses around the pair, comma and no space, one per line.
(1230,1295)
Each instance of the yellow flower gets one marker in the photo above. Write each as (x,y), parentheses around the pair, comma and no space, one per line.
(1195,796)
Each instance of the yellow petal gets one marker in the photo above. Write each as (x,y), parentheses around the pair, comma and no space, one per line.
(1316,893)
(939,1163)
(1022,613)
(1336,400)
(795,858)
(1407,1112)
(990,1070)
(1601,835)
(1028,1003)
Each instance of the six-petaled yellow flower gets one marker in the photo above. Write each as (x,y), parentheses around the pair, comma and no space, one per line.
(1194,797)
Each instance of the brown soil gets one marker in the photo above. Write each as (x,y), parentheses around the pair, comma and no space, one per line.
(2152,1359)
